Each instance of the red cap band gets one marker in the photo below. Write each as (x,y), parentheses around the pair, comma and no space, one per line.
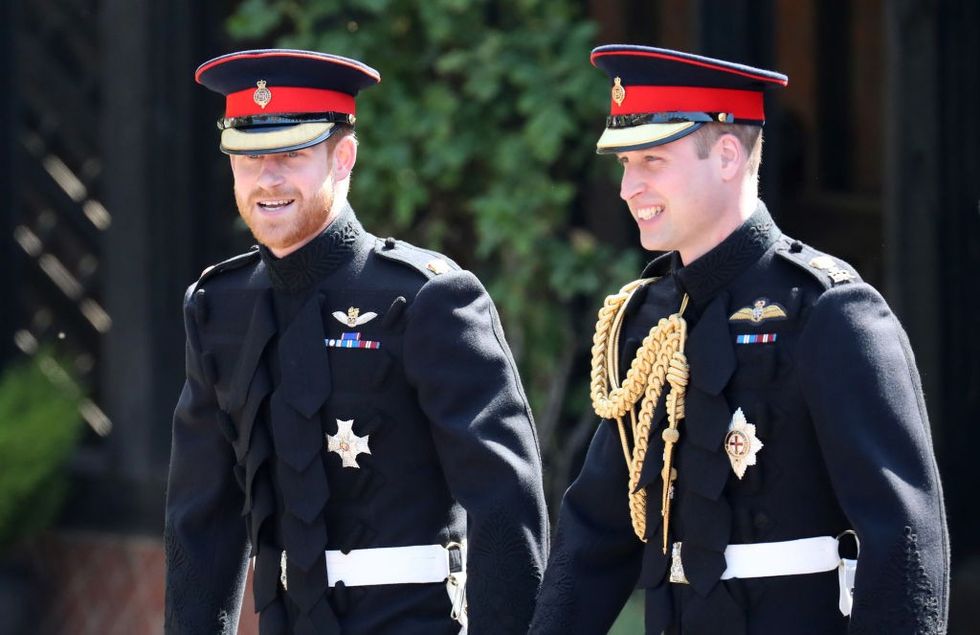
(744,104)
(288,99)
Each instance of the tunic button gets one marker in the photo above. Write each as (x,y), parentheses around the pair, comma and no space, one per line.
(796,247)
(389,243)
(761,521)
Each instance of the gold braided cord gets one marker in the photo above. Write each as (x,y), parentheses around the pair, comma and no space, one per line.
(677,377)
(659,360)
(610,404)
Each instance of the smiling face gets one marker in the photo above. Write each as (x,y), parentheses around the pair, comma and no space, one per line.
(287,198)
(680,201)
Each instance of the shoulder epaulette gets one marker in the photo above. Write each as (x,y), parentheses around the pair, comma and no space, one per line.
(428,263)
(827,270)
(232,263)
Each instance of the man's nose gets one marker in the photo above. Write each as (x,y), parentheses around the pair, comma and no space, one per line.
(270,174)
(631,184)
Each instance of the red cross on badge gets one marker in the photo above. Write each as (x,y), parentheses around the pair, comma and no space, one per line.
(736,443)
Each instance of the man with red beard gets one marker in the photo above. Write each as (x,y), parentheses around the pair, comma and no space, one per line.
(762,421)
(352,419)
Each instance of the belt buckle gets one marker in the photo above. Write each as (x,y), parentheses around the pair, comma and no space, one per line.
(676,566)
(857,542)
(455,546)
(456,582)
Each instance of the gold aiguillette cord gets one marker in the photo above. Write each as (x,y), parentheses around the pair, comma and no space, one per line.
(659,360)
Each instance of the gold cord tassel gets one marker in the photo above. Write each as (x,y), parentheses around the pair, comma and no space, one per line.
(659,360)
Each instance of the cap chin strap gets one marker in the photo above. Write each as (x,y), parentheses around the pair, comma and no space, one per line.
(284,119)
(640,119)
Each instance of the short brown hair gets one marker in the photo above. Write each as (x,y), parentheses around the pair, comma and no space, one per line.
(342,131)
(749,136)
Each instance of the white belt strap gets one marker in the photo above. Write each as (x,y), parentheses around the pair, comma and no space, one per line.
(389,565)
(790,557)
(418,564)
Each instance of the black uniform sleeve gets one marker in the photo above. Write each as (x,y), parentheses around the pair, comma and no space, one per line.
(204,534)
(595,560)
(468,387)
(861,385)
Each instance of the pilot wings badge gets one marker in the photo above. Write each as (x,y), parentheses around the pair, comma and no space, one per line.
(760,311)
(353,317)
(352,339)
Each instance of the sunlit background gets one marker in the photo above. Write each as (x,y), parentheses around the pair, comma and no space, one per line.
(478,142)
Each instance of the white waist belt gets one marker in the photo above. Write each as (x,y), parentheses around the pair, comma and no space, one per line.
(389,565)
(790,557)
(418,564)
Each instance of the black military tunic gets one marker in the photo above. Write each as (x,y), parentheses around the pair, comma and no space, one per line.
(834,394)
(423,373)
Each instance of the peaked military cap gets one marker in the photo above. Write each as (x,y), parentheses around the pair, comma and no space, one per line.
(659,95)
(279,100)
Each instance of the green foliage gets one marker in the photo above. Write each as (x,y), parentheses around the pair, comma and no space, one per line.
(478,142)
(39,425)
(630,620)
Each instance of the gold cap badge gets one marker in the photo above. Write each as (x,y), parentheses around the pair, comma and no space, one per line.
(618,92)
(262,95)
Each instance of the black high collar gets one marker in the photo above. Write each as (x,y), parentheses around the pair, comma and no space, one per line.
(713,271)
(305,267)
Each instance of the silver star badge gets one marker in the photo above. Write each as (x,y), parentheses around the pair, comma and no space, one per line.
(347,444)
(741,444)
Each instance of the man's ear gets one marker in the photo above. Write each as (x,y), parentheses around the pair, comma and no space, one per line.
(344,158)
(731,156)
